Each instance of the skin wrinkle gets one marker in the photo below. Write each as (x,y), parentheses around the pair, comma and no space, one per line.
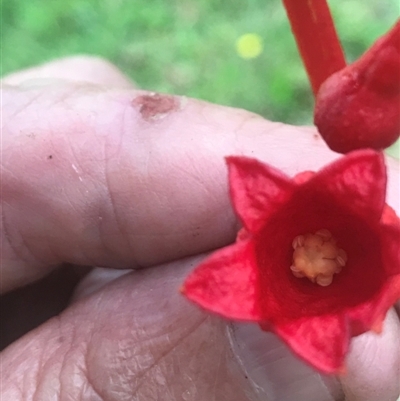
(241,127)
(104,238)
(147,147)
(195,176)
(52,254)
(5,235)
(118,221)
(39,369)
(18,255)
(141,378)
(75,374)
(31,100)
(81,168)
(90,388)
(37,256)
(49,364)
(65,359)
(23,387)
(101,216)
(87,371)
(5,231)
(116,155)
(70,92)
(110,196)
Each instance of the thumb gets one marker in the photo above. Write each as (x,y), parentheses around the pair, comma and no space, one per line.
(135,339)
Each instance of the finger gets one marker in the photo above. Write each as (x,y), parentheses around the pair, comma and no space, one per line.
(89,69)
(373,366)
(128,178)
(137,338)
(271,365)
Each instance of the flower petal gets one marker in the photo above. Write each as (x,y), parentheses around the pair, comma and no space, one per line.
(391,249)
(370,315)
(256,190)
(321,341)
(226,283)
(390,295)
(357,181)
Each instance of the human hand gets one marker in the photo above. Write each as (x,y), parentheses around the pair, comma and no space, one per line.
(95,173)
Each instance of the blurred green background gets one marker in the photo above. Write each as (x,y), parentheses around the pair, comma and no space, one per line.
(189,46)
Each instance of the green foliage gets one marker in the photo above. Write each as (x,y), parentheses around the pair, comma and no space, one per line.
(188,46)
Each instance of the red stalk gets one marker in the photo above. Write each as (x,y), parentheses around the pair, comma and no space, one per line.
(316,38)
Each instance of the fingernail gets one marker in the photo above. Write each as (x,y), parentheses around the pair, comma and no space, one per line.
(276,372)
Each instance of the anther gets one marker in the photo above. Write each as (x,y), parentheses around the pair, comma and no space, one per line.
(317,257)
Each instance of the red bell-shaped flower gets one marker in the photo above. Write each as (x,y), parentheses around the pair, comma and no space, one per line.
(359,106)
(317,261)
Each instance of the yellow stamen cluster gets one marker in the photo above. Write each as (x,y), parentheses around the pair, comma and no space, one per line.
(317,257)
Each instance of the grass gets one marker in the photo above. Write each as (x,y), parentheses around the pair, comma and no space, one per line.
(188,46)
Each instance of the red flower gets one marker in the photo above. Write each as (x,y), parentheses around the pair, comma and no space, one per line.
(356,106)
(359,106)
(257,278)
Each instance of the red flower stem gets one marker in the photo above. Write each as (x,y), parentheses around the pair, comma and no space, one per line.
(316,38)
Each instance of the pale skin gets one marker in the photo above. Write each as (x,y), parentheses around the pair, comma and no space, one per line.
(94,175)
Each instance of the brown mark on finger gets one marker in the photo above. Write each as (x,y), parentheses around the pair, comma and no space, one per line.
(155,106)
